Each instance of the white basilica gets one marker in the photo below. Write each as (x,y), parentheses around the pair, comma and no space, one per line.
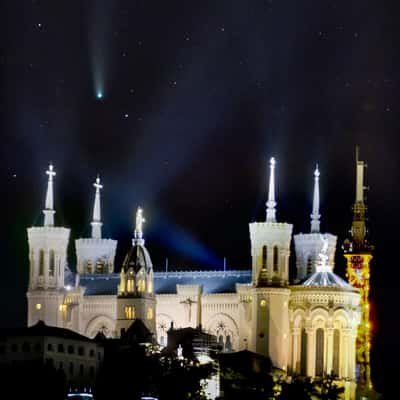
(307,328)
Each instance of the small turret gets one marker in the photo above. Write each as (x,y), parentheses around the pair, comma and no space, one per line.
(308,245)
(95,255)
(136,288)
(270,243)
(48,260)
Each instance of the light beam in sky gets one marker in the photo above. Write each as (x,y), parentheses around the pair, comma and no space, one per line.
(100,36)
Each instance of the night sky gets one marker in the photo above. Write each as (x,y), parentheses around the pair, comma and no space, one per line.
(196,97)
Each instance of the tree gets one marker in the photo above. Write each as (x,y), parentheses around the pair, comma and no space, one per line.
(298,388)
(328,389)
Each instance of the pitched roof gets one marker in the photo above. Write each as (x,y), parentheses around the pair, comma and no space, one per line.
(165,282)
(41,329)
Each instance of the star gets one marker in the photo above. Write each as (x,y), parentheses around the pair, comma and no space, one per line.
(126,115)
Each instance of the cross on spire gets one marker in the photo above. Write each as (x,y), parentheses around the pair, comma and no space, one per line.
(96,223)
(315,216)
(271,203)
(49,203)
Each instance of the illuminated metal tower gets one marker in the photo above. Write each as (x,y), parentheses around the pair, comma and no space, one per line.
(358,253)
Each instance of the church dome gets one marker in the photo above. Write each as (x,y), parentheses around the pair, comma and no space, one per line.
(327,278)
(137,257)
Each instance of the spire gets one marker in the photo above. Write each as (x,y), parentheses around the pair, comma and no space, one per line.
(96,223)
(271,203)
(359,229)
(138,234)
(359,178)
(315,209)
(49,206)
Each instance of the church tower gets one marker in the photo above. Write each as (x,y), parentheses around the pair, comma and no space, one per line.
(95,255)
(270,250)
(47,261)
(136,297)
(358,253)
(308,245)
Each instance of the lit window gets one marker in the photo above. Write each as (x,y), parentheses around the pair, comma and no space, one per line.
(150,286)
(263,303)
(38,306)
(149,313)
(142,285)
(62,307)
(130,285)
(129,312)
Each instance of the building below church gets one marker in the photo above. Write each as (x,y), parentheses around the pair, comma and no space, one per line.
(306,328)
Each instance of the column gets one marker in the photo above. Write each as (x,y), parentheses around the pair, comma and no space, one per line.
(344,355)
(296,350)
(352,354)
(329,350)
(310,352)
(46,269)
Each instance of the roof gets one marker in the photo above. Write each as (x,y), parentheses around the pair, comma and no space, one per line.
(327,278)
(137,333)
(165,282)
(137,257)
(41,329)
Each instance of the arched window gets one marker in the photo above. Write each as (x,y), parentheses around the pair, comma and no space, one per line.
(150,286)
(41,262)
(303,355)
(319,352)
(129,312)
(221,342)
(52,263)
(89,267)
(264,257)
(141,285)
(130,285)
(228,343)
(275,258)
(99,267)
(336,352)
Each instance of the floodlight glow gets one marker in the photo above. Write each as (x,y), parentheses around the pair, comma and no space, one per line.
(99,95)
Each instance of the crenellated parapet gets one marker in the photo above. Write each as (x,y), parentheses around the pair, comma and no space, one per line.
(270,251)
(95,255)
(307,248)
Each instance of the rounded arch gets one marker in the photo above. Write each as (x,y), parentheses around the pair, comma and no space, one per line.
(298,317)
(224,327)
(319,316)
(341,318)
(100,323)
